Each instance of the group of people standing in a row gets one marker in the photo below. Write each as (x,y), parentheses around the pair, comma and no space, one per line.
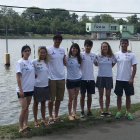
(44,79)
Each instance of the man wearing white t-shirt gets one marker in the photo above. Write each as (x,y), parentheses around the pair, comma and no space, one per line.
(87,80)
(56,77)
(125,77)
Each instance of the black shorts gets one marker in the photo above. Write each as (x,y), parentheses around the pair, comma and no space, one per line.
(128,88)
(70,84)
(30,93)
(87,86)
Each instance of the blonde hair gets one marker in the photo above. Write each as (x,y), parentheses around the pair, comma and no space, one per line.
(46,59)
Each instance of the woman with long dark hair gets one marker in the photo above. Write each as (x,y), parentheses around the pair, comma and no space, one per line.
(105,60)
(25,75)
(73,62)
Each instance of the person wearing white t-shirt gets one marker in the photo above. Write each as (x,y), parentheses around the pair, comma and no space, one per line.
(73,62)
(125,77)
(56,77)
(41,89)
(87,80)
(105,60)
(25,75)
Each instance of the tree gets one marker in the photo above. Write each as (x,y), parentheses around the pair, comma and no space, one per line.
(106,18)
(85,18)
(132,19)
(121,21)
(96,19)
(74,18)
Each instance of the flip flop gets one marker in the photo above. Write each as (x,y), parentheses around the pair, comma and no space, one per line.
(44,123)
(51,121)
(58,120)
(23,131)
(28,128)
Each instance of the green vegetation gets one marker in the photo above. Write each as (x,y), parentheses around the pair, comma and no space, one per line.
(11,131)
(44,22)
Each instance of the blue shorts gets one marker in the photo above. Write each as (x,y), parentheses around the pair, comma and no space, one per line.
(30,93)
(70,84)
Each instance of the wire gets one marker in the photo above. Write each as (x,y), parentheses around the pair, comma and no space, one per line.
(70,10)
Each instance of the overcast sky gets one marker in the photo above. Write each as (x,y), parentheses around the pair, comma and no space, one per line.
(84,5)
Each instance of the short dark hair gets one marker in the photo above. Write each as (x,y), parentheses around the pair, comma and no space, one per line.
(23,48)
(88,42)
(75,45)
(124,39)
(58,36)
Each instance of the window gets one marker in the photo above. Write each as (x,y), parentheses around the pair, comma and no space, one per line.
(113,27)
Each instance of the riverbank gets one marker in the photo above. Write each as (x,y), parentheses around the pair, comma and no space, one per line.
(11,131)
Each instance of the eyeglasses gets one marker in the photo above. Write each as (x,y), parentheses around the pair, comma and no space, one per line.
(42,47)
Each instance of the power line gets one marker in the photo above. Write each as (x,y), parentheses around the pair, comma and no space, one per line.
(69,10)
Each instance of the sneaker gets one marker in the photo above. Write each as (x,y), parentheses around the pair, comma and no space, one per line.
(102,114)
(90,114)
(82,114)
(118,115)
(107,114)
(129,117)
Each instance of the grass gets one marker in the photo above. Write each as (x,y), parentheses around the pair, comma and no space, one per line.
(11,131)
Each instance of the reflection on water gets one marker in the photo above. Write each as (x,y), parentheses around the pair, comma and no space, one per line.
(7,67)
(9,104)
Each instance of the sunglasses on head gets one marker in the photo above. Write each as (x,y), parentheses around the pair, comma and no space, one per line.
(42,47)
(124,38)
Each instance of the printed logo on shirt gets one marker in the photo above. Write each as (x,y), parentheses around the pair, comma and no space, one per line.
(71,62)
(47,66)
(83,58)
(91,57)
(27,68)
(118,57)
(39,64)
(53,53)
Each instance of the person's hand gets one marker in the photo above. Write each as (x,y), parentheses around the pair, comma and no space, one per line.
(128,51)
(21,94)
(131,81)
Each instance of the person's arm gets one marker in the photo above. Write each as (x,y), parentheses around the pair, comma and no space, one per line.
(113,64)
(64,60)
(96,64)
(21,93)
(131,81)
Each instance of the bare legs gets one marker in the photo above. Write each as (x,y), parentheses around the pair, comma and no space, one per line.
(73,93)
(119,103)
(107,102)
(35,110)
(23,116)
(89,101)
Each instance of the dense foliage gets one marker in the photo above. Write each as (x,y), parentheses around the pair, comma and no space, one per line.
(40,21)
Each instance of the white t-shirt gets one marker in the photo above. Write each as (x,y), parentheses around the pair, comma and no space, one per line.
(42,72)
(73,68)
(26,68)
(56,67)
(124,63)
(104,65)
(87,65)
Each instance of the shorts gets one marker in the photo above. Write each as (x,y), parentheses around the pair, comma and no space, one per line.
(87,86)
(26,94)
(70,84)
(128,88)
(57,88)
(41,94)
(104,82)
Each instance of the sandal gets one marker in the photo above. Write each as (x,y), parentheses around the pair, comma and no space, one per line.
(58,120)
(23,131)
(51,121)
(28,128)
(44,123)
(71,118)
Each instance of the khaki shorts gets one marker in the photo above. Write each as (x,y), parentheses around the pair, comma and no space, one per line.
(57,88)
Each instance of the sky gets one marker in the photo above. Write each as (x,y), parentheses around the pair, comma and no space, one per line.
(81,5)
